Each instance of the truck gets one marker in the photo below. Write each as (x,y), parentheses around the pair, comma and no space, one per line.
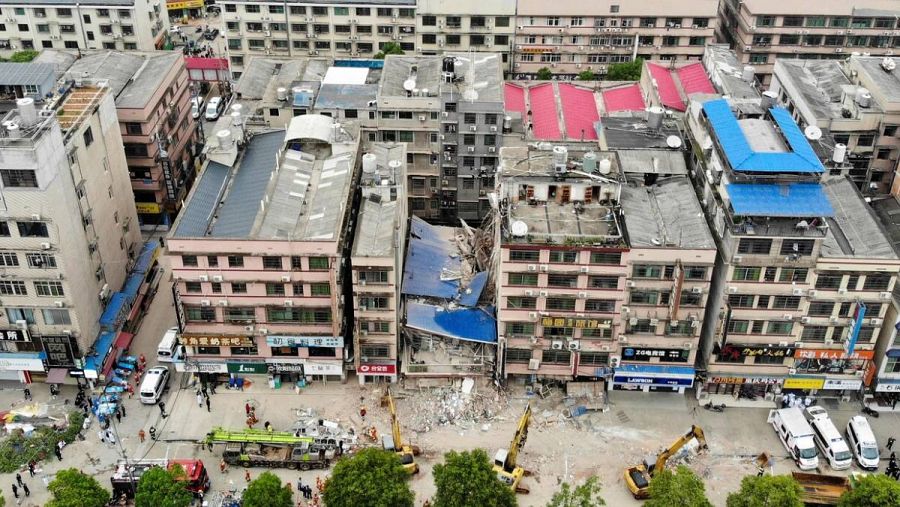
(128,474)
(259,448)
(637,477)
(796,435)
(821,489)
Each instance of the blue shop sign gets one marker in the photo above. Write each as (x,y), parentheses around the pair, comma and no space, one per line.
(655,375)
(654,381)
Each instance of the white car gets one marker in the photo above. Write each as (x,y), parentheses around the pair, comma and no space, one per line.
(213,108)
(196,106)
(174,29)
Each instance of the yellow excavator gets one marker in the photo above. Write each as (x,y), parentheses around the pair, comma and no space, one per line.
(505,461)
(637,477)
(394,443)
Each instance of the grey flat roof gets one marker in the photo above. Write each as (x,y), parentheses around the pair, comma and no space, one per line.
(665,215)
(652,162)
(61,60)
(854,231)
(333,96)
(197,213)
(20,74)
(375,229)
(260,71)
(819,83)
(487,75)
(632,132)
(727,75)
(888,211)
(888,82)
(133,76)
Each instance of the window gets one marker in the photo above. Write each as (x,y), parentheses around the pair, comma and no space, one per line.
(212,261)
(318,263)
(429,20)
(200,313)
(33,229)
(600,305)
(561,256)
(789,40)
(552,20)
(829,281)
(556,356)
(9,259)
(877,282)
(339,11)
(524,255)
(295,10)
(816,21)
(376,277)
(697,41)
(738,326)
(691,298)
(19,178)
(755,246)
(56,317)
(786,302)
(646,271)
(644,297)
(385,12)
(320,289)
(746,274)
(641,326)
(373,303)
(13,288)
(41,260)
(793,275)
(272,262)
(603,282)
(275,289)
(741,300)
(238,287)
(515,302)
(759,58)
(821,309)
(297,289)
(613,9)
(194,287)
(814,333)
(518,355)
(792,21)
(240,314)
(49,289)
(528,279)
(375,326)
(797,247)
(189,261)
(865,140)
(569,281)
(695,272)
(606,257)
(520,329)
(216,287)
(782,328)
(840,22)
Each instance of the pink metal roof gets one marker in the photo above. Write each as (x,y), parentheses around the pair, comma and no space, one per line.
(514,98)
(624,98)
(668,92)
(206,63)
(543,107)
(693,79)
(579,111)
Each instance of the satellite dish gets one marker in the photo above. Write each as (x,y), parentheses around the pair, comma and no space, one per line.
(673,142)
(519,229)
(409,85)
(812,133)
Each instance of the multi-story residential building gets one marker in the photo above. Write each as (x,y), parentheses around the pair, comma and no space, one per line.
(68,232)
(573,37)
(885,392)
(333,29)
(377,262)
(152,95)
(797,298)
(257,253)
(761,31)
(72,24)
(463,25)
(449,111)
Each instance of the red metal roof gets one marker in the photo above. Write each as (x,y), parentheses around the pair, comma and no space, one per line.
(665,84)
(693,79)
(543,107)
(624,98)
(514,98)
(579,111)
(193,62)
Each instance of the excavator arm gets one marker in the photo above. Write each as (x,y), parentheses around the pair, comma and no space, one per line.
(518,440)
(395,424)
(696,432)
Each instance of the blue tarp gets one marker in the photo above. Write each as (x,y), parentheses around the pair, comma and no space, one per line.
(470,296)
(429,255)
(370,64)
(469,324)
(115,312)
(777,200)
(801,158)
(101,347)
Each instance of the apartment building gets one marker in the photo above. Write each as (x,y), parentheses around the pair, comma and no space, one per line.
(376,263)
(762,31)
(886,383)
(449,111)
(69,230)
(573,37)
(797,298)
(70,24)
(152,95)
(257,252)
(485,25)
(330,29)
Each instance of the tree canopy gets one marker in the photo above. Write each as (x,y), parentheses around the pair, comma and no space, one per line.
(582,495)
(389,48)
(586,75)
(629,71)
(467,479)
(544,74)
(267,491)
(768,490)
(874,490)
(681,487)
(71,488)
(370,478)
(159,487)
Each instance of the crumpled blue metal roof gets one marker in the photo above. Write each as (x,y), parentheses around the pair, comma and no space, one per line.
(779,200)
(469,324)
(101,346)
(801,158)
(139,271)
(114,310)
(472,294)
(428,255)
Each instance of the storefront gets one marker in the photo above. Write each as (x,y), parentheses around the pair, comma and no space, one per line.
(322,360)
(288,372)
(650,378)
(184,8)
(372,372)
(832,361)
(743,384)
(19,366)
(887,394)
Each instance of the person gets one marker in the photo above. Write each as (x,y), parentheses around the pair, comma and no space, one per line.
(15,491)
(26,490)
(247,408)
(27,394)
(162,409)
(58,453)
(208,409)
(111,437)
(31,465)
(223,466)
(362,413)
(18,478)
(890,442)
(300,484)
(267,426)
(122,408)
(249,422)
(247,476)
(199,399)
(142,435)
(119,416)
(142,360)
(130,388)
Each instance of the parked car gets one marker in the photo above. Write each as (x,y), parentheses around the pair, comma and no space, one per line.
(211,34)
(196,106)
(214,108)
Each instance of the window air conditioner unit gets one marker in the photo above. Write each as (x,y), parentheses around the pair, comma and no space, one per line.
(223,302)
(59,304)
(532,267)
(543,293)
(732,290)
(288,302)
(585,269)
(204,302)
(697,290)
(534,364)
(544,268)
(529,293)
(203,278)
(798,292)
(533,315)
(286,278)
(556,345)
(574,345)
(217,278)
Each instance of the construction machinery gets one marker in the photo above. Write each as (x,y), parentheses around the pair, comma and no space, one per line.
(128,475)
(637,477)
(252,448)
(821,489)
(506,460)
(394,441)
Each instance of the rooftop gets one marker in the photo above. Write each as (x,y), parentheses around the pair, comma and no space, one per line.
(632,131)
(263,76)
(800,7)
(888,211)
(133,76)
(661,162)
(624,98)
(348,88)
(400,3)
(675,83)
(476,76)
(21,74)
(438,264)
(726,73)
(854,230)
(888,83)
(61,60)
(101,3)
(379,210)
(819,83)
(554,111)
(666,214)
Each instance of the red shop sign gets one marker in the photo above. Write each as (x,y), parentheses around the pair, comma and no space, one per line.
(377,369)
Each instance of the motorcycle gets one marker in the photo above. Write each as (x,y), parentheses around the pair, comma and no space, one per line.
(870,412)
(714,408)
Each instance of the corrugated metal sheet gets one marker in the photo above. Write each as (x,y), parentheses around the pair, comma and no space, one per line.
(776,200)
(469,324)
(206,194)
(694,80)
(625,98)
(20,74)
(665,85)
(471,295)
(428,257)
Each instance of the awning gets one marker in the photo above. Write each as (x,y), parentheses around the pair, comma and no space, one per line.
(57,375)
(123,341)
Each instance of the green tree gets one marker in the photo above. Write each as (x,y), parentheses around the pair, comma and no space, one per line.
(161,487)
(370,478)
(467,479)
(390,48)
(267,491)
(768,490)
(875,490)
(681,487)
(544,74)
(23,56)
(584,495)
(630,71)
(71,488)
(586,75)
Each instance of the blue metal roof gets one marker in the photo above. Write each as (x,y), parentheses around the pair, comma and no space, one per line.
(199,209)
(472,294)
(115,311)
(370,64)
(802,158)
(469,324)
(302,99)
(101,346)
(139,271)
(779,200)
(428,255)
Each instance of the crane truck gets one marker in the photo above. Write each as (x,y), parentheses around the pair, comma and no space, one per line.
(128,475)
(637,477)
(506,460)
(394,442)
(260,448)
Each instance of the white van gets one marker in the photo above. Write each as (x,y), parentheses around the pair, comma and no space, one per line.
(167,350)
(796,435)
(829,439)
(861,440)
(155,383)
(213,108)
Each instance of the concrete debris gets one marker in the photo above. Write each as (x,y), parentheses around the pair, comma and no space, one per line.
(447,406)
(309,424)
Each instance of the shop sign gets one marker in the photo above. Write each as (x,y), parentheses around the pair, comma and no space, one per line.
(250,368)
(535,50)
(60,351)
(804,383)
(305,341)
(655,381)
(285,368)
(147,207)
(195,367)
(184,4)
(728,380)
(576,322)
(833,354)
(76,373)
(216,341)
(887,387)
(734,351)
(645,354)
(311,368)
(893,353)
(21,363)
(14,335)
(377,369)
(840,384)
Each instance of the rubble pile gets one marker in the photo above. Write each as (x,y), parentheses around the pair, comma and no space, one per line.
(450,407)
(310,424)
